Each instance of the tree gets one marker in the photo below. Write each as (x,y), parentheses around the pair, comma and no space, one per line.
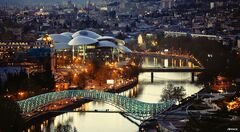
(96,66)
(11,120)
(209,123)
(160,36)
(82,78)
(173,93)
(128,28)
(179,93)
(65,128)
(133,71)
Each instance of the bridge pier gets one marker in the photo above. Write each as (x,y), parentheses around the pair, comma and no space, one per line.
(192,77)
(152,77)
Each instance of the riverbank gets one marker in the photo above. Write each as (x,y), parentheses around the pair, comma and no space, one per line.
(162,118)
(199,107)
(125,87)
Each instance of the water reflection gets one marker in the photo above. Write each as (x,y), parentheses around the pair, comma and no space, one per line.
(131,93)
(64,124)
(166,62)
(108,122)
(151,92)
(89,122)
(65,128)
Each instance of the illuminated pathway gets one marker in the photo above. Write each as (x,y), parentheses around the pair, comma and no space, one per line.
(131,107)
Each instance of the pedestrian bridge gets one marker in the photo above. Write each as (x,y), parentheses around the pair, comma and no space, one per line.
(131,107)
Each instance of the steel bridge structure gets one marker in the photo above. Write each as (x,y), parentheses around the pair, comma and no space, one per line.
(131,107)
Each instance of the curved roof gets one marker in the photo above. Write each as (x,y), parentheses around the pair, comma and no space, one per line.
(82,40)
(119,41)
(68,34)
(86,33)
(58,38)
(107,44)
(60,46)
(106,38)
(85,37)
(124,49)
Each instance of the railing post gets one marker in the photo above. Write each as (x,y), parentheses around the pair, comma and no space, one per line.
(192,77)
(152,77)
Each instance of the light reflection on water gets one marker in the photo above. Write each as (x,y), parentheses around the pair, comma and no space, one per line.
(166,62)
(114,122)
(151,92)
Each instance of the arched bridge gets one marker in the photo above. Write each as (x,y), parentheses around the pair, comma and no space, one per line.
(131,107)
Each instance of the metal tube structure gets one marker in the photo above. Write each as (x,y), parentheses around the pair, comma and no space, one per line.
(73,51)
(131,107)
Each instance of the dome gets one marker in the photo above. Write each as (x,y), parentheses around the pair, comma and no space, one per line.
(107,44)
(82,40)
(118,41)
(60,46)
(86,33)
(58,38)
(124,49)
(106,38)
(67,34)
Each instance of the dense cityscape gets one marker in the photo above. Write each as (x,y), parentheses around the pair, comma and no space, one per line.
(119,65)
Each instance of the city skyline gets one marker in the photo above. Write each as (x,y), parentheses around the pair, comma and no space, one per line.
(110,65)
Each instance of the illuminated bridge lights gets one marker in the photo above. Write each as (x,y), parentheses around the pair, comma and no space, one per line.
(131,107)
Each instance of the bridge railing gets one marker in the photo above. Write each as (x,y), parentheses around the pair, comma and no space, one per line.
(130,106)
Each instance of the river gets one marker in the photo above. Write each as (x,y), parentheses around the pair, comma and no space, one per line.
(114,122)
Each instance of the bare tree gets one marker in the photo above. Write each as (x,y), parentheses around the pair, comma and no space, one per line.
(10,113)
(173,93)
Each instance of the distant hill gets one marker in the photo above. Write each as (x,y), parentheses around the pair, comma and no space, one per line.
(39,2)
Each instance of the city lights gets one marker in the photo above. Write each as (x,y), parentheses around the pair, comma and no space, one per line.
(119,65)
